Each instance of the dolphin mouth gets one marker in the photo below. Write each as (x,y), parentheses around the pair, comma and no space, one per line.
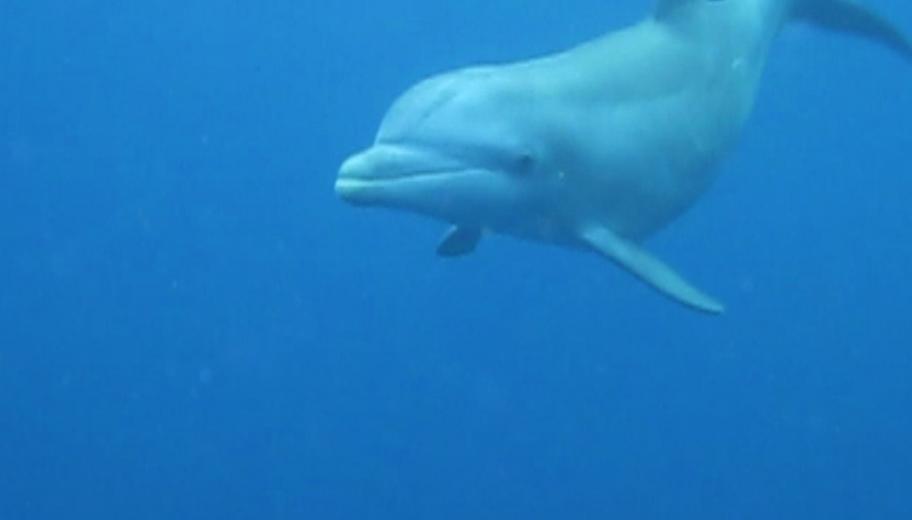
(398,176)
(360,189)
(384,169)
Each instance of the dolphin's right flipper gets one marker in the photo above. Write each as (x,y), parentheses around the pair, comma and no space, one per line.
(459,241)
(649,269)
(850,16)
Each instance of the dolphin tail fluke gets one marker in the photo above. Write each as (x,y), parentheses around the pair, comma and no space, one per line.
(849,16)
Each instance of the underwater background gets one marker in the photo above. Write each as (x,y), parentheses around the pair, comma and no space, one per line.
(193,326)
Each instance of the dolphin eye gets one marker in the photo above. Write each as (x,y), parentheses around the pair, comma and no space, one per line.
(524,163)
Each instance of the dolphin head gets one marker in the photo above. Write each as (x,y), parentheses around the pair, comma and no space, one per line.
(458,148)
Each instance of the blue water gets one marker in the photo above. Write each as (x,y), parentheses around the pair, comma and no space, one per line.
(193,326)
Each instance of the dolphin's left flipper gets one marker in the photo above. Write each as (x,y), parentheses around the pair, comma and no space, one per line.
(459,241)
(649,269)
(852,17)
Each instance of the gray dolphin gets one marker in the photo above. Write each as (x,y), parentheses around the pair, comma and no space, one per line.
(596,147)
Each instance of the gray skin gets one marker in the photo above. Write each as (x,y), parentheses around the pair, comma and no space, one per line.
(596,147)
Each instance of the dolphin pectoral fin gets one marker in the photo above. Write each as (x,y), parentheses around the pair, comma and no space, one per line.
(850,16)
(459,241)
(649,269)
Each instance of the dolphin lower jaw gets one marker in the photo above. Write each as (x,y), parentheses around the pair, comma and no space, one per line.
(412,178)
(433,192)
(374,191)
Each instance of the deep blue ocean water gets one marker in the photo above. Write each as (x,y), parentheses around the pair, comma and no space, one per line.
(193,326)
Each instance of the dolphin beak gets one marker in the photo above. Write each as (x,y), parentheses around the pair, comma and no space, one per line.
(382,170)
(406,177)
(352,178)
(353,167)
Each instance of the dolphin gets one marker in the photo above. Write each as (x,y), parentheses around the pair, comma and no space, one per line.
(596,147)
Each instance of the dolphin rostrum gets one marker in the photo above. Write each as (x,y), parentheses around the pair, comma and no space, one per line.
(596,147)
